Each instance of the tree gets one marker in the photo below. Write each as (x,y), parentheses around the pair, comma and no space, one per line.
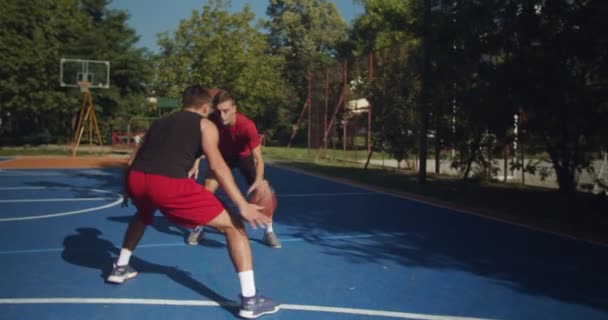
(107,36)
(560,79)
(543,60)
(32,36)
(389,30)
(36,35)
(218,49)
(305,34)
(424,89)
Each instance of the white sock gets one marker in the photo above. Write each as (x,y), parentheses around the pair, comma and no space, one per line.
(247,283)
(123,258)
(269,228)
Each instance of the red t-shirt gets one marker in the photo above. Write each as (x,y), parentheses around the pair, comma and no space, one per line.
(237,140)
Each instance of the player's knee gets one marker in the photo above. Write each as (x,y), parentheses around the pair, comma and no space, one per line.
(226,223)
(142,218)
(237,222)
(231,230)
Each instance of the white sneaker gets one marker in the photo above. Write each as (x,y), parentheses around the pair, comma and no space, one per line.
(121,273)
(271,240)
(195,236)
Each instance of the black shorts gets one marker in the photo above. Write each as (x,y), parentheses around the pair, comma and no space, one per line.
(245,165)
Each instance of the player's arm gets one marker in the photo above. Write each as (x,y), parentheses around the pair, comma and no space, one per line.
(132,157)
(256,150)
(125,191)
(259,169)
(193,172)
(259,162)
(219,168)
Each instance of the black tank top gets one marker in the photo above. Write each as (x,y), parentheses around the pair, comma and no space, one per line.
(171,145)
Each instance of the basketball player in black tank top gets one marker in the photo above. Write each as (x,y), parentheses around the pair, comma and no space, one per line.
(157,179)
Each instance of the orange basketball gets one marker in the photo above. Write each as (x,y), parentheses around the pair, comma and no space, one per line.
(266,198)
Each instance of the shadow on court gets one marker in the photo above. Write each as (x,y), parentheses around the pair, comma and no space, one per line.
(86,248)
(417,235)
(107,179)
(400,231)
(161,224)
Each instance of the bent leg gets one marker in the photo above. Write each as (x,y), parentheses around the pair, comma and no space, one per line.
(122,270)
(134,232)
(236,237)
(211,182)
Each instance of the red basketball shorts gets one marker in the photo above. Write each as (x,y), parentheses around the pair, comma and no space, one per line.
(183,201)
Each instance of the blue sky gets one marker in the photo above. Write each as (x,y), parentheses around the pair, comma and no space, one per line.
(150,17)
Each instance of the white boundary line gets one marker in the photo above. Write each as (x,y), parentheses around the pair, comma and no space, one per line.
(328,194)
(182,244)
(438,204)
(53,200)
(61,214)
(203,303)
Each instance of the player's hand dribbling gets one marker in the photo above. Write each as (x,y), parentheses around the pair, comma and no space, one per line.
(193,173)
(252,213)
(257,185)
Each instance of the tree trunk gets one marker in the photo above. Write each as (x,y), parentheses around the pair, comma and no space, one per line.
(474,150)
(437,155)
(564,165)
(424,94)
(437,140)
(369,155)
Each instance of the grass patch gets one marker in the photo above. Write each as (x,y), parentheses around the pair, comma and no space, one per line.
(307,155)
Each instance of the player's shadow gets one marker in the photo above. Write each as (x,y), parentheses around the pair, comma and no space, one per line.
(161,224)
(86,248)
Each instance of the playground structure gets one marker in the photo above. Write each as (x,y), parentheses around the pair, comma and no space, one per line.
(137,126)
(133,133)
(337,110)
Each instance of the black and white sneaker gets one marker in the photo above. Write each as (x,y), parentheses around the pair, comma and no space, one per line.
(253,307)
(121,273)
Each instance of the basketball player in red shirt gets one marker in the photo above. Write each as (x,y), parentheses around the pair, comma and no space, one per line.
(157,178)
(241,148)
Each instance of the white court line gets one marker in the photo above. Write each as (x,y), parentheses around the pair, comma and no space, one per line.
(182,244)
(325,194)
(54,200)
(203,303)
(118,198)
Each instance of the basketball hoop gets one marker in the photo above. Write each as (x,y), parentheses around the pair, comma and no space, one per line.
(84,85)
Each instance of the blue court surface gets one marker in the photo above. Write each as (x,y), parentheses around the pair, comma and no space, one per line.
(348,253)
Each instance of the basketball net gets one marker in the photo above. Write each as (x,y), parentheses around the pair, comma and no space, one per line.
(86,116)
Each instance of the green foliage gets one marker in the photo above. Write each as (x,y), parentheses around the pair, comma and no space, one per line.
(35,35)
(305,34)
(389,30)
(221,50)
(32,35)
(386,23)
(488,61)
(546,60)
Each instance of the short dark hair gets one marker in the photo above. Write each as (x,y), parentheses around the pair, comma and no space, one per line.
(221,96)
(195,96)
